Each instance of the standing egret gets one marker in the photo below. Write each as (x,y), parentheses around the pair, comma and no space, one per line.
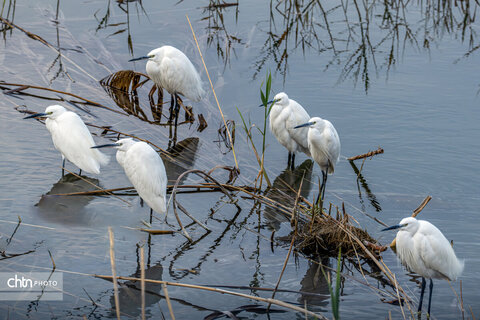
(285,114)
(423,249)
(324,146)
(169,68)
(71,137)
(145,170)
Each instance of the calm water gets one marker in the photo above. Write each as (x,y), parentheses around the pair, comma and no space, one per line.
(403,78)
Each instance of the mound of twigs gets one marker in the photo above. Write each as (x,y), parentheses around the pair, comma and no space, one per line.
(326,235)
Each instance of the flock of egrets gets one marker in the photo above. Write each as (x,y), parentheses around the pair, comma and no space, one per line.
(421,247)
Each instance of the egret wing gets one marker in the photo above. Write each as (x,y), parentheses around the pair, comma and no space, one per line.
(145,169)
(298,116)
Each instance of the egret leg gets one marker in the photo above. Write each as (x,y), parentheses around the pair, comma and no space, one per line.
(325,176)
(63,166)
(421,295)
(289,159)
(430,296)
(177,109)
(80,172)
(172,105)
(151,215)
(293,161)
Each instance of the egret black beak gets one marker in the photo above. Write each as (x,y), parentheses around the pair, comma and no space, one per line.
(105,146)
(139,58)
(304,125)
(269,102)
(397,226)
(36,115)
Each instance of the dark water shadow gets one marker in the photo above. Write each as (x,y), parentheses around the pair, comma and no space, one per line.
(129,292)
(284,190)
(68,210)
(182,158)
(314,282)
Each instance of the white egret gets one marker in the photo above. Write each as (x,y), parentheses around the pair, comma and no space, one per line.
(71,137)
(169,68)
(284,115)
(324,146)
(145,170)
(423,249)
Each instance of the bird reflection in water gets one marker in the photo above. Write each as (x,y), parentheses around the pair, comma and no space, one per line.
(57,207)
(284,190)
(181,158)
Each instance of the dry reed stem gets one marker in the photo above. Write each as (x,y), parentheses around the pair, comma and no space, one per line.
(398,296)
(366,155)
(26,86)
(167,298)
(142,281)
(238,294)
(114,272)
(414,214)
(214,94)
(93,184)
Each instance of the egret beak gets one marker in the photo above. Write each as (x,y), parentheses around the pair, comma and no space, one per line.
(308,124)
(139,58)
(269,102)
(397,226)
(42,114)
(105,145)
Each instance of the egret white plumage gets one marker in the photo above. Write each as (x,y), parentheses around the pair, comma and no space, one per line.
(170,69)
(284,115)
(145,170)
(71,137)
(324,146)
(423,249)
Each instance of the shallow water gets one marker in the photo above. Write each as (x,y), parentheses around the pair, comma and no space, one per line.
(422,110)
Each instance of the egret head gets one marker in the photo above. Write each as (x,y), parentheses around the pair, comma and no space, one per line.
(51,112)
(314,122)
(154,55)
(121,145)
(279,99)
(409,224)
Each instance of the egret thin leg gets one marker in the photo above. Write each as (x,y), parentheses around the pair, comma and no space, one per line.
(325,181)
(151,215)
(293,161)
(177,109)
(63,166)
(80,172)
(172,105)
(289,159)
(430,296)
(424,283)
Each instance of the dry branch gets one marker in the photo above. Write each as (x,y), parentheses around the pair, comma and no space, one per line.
(366,155)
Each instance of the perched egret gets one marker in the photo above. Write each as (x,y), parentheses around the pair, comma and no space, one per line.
(423,249)
(324,146)
(71,137)
(284,116)
(145,170)
(169,68)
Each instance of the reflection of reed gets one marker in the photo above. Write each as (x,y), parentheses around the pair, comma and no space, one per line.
(284,190)
(218,35)
(361,181)
(181,158)
(362,37)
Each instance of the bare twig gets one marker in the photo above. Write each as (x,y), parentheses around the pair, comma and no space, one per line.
(167,298)
(366,155)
